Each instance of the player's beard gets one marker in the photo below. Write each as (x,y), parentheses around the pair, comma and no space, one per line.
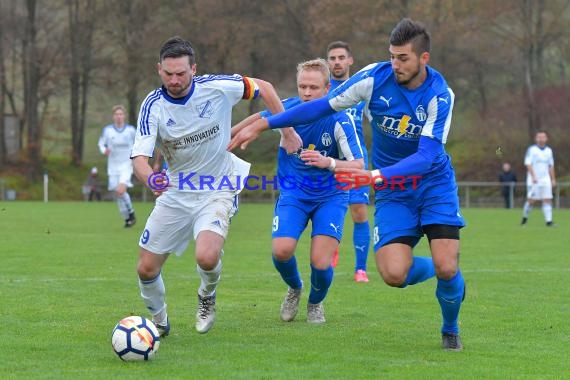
(405,81)
(338,74)
(178,91)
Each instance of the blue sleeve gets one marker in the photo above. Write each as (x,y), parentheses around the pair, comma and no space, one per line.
(304,113)
(418,163)
(287,103)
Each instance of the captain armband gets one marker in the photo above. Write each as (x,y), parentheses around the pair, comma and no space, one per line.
(250,89)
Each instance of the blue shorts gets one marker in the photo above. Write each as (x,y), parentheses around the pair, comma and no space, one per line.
(359,195)
(291,216)
(404,212)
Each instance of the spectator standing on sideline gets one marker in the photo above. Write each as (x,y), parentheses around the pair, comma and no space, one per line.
(509,178)
(93,185)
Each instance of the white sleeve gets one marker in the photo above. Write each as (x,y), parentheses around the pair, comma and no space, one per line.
(354,90)
(147,130)
(102,143)
(528,156)
(231,86)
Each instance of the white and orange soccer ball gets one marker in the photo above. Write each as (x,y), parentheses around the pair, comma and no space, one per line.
(135,338)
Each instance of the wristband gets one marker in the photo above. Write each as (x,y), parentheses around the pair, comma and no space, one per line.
(376,173)
(332,166)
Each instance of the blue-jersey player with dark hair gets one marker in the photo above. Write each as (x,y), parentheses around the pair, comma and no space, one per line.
(339,58)
(409,105)
(308,190)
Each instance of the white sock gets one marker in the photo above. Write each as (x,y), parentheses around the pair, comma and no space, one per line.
(526,209)
(153,295)
(209,279)
(125,205)
(547,211)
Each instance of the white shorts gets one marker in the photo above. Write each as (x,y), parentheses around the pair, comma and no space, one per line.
(171,224)
(539,191)
(125,178)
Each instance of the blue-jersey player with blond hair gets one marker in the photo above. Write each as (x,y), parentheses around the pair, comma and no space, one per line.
(409,105)
(308,191)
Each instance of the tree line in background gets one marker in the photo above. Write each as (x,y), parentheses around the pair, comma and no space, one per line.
(506,61)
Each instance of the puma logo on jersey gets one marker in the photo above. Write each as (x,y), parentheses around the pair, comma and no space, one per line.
(334,227)
(445,100)
(387,101)
(360,247)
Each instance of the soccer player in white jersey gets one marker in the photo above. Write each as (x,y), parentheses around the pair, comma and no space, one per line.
(540,177)
(409,105)
(116,142)
(189,119)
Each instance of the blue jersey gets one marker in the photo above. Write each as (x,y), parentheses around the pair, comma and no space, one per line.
(356,112)
(399,116)
(333,136)
(287,103)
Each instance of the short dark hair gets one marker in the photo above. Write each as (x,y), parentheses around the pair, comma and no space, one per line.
(176,47)
(339,45)
(414,32)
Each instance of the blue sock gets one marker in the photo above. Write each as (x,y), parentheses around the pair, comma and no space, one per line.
(422,269)
(449,294)
(361,241)
(321,280)
(289,272)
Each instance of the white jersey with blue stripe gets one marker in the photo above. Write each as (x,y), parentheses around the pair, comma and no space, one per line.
(333,136)
(119,141)
(398,116)
(191,132)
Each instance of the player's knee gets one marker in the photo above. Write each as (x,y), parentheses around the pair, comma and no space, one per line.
(446,271)
(282,254)
(207,260)
(392,276)
(359,213)
(146,270)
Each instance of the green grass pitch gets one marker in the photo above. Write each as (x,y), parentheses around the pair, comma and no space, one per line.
(67,275)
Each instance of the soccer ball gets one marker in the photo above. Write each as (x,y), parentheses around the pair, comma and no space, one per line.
(135,338)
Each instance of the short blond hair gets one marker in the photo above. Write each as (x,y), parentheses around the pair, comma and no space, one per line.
(119,107)
(318,64)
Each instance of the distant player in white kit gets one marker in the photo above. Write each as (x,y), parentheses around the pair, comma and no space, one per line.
(189,119)
(540,177)
(116,142)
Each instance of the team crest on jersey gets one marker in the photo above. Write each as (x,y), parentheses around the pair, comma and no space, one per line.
(205,110)
(326,139)
(421,113)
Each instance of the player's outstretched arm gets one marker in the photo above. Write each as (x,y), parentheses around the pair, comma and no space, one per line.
(315,158)
(269,96)
(248,134)
(245,122)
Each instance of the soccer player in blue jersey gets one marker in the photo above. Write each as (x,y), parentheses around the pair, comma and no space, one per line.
(309,191)
(339,58)
(409,105)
